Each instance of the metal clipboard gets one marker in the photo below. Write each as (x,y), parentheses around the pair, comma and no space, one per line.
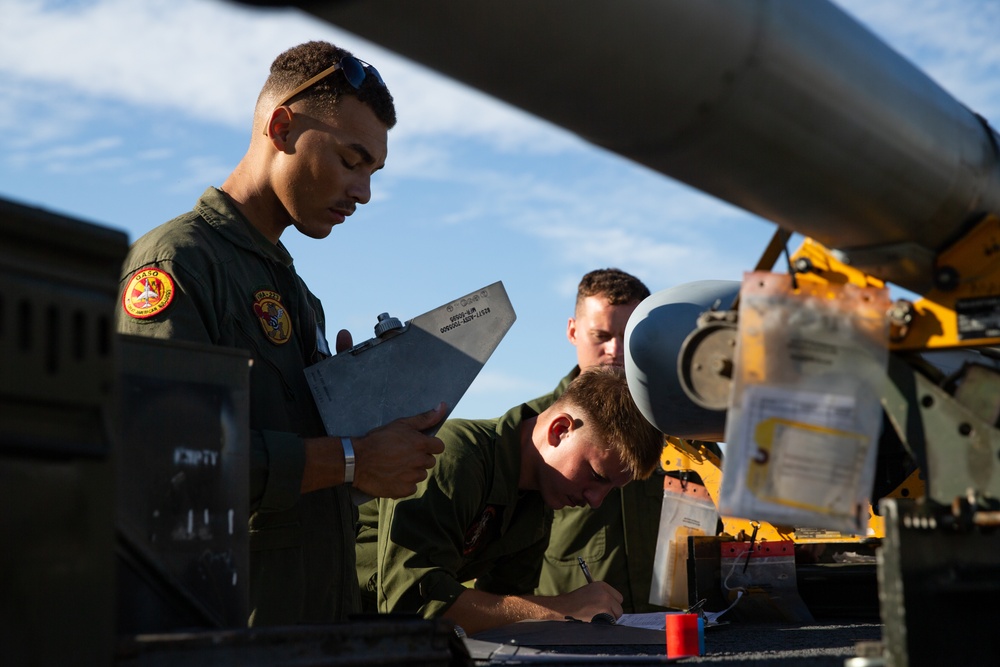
(409,368)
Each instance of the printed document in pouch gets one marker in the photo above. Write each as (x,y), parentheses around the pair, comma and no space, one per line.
(807,454)
(410,368)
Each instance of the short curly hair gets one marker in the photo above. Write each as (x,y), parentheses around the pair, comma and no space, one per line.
(615,285)
(601,394)
(300,63)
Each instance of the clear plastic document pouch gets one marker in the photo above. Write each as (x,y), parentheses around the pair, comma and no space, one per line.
(804,413)
(687,510)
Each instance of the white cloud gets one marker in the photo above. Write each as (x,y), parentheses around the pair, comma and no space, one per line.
(203,57)
(87,149)
(52,117)
(208,59)
(199,172)
(955,43)
(72,157)
(155,154)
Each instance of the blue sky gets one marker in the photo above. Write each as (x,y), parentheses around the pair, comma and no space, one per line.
(121,112)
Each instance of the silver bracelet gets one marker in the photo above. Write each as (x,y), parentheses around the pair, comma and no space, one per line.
(348,459)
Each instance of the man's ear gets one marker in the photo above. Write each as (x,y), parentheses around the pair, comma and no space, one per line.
(278,126)
(559,428)
(571,330)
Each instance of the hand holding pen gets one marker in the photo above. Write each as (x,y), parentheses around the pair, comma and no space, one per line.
(602,617)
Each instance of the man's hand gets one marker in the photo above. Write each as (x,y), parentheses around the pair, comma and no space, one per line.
(344,341)
(392,459)
(388,462)
(476,610)
(587,601)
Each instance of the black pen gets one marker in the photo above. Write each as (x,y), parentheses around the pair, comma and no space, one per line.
(586,570)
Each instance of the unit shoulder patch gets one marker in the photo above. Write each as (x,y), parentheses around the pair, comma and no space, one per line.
(482,531)
(273,316)
(149,291)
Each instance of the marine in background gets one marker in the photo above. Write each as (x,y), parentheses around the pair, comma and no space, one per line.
(617,539)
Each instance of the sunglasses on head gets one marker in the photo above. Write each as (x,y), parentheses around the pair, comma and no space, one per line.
(354,70)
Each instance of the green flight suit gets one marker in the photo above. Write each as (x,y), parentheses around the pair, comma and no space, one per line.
(618,539)
(230,286)
(468,521)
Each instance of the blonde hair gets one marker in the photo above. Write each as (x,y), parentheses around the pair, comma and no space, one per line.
(601,394)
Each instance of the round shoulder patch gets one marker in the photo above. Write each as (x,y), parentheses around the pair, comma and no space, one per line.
(149,291)
(273,316)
